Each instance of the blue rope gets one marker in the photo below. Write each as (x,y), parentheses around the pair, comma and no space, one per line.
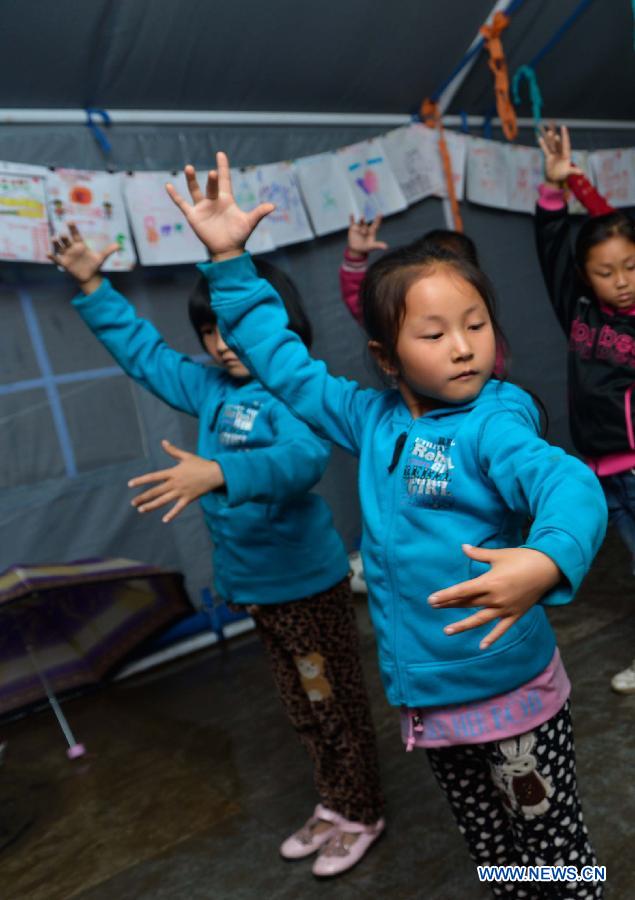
(577,12)
(98,134)
(511,8)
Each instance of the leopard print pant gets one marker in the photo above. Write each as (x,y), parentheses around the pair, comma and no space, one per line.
(313,648)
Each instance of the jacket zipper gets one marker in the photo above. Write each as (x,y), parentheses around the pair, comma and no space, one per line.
(390,567)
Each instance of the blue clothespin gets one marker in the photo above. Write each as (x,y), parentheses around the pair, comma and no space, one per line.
(98,134)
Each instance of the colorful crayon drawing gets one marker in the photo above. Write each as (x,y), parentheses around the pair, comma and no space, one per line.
(245,190)
(614,172)
(94,202)
(288,223)
(326,192)
(24,227)
(487,173)
(161,233)
(375,187)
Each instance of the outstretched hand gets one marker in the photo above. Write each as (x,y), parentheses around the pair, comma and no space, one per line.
(215,217)
(362,236)
(185,482)
(76,257)
(519,577)
(556,148)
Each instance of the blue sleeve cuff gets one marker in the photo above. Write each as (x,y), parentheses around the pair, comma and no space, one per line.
(82,300)
(230,275)
(230,464)
(567,554)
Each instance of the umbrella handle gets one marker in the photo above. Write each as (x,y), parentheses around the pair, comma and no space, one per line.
(75,750)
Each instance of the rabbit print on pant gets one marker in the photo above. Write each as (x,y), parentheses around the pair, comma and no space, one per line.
(527,789)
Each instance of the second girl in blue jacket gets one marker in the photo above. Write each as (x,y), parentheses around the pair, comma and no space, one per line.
(276,551)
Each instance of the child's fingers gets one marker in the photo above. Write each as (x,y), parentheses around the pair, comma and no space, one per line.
(224,174)
(498,631)
(211,187)
(149,478)
(176,509)
(110,249)
(374,225)
(259,213)
(65,241)
(174,451)
(176,198)
(192,183)
(566,141)
(458,594)
(74,231)
(380,245)
(160,501)
(482,617)
(152,494)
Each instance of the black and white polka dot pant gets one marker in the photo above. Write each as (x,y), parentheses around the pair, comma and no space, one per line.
(516,803)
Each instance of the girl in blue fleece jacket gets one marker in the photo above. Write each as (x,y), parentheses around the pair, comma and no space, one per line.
(276,550)
(451,467)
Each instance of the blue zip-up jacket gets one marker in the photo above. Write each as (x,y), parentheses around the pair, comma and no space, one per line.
(273,541)
(470,473)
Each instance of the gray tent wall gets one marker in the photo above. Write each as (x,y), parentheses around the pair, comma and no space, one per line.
(114,428)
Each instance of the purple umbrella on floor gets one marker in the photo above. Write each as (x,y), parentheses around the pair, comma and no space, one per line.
(66,626)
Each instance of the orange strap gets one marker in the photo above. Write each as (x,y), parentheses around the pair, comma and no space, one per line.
(431,115)
(498,66)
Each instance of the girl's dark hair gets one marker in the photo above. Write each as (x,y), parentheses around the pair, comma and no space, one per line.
(454,241)
(388,280)
(201,313)
(599,229)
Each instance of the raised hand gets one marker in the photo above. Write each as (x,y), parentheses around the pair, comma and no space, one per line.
(362,236)
(519,577)
(185,482)
(556,148)
(215,217)
(76,257)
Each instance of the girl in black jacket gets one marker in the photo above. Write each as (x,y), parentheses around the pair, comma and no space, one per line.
(593,294)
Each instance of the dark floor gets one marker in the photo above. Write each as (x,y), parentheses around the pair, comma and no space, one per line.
(194,777)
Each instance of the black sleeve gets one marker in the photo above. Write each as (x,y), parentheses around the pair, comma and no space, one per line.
(553,240)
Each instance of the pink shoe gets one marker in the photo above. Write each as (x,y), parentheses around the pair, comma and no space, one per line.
(307,841)
(336,857)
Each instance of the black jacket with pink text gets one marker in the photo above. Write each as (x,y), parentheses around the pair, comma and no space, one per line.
(601,358)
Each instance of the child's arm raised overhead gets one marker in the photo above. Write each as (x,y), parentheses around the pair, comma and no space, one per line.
(135,343)
(291,466)
(551,221)
(567,505)
(252,318)
(362,240)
